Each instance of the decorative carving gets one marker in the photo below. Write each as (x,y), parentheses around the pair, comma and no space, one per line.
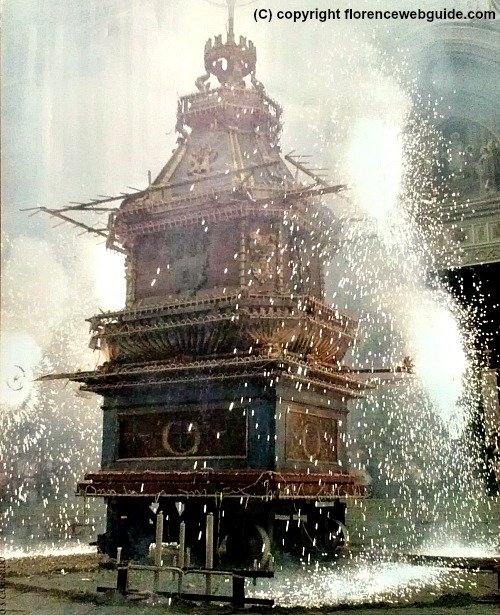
(188,256)
(470,159)
(462,235)
(181,438)
(456,157)
(495,230)
(200,160)
(230,62)
(130,278)
(262,256)
(202,82)
(207,326)
(300,267)
(311,437)
(179,126)
(170,264)
(480,233)
(257,84)
(183,432)
(488,254)
(487,166)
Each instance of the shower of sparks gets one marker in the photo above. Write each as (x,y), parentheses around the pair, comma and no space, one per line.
(412,439)
(44,550)
(50,435)
(355,583)
(449,549)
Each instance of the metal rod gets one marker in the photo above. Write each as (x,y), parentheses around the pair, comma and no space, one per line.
(108,199)
(182,544)
(167,186)
(209,553)
(155,568)
(58,214)
(182,547)
(230,26)
(122,580)
(265,574)
(238,592)
(158,551)
(89,229)
(305,170)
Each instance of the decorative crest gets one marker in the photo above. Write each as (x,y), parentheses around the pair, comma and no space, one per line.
(230,62)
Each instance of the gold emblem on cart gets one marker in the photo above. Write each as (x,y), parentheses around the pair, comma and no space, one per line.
(200,160)
(181,438)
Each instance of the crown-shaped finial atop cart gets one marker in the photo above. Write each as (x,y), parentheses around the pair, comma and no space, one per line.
(230,62)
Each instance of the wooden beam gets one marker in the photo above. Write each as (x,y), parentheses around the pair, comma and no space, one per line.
(89,229)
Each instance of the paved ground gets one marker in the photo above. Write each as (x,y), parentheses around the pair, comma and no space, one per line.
(67,585)
(43,604)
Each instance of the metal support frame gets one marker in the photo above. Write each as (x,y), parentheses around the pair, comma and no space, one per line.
(238,598)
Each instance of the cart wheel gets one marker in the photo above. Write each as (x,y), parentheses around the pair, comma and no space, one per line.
(246,544)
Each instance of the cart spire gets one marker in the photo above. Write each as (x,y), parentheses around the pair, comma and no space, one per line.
(230,9)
